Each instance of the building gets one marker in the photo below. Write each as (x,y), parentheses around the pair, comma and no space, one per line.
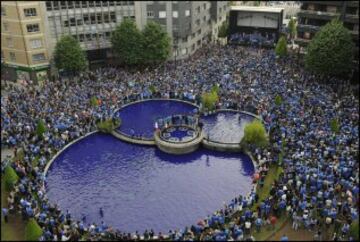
(291,9)
(190,24)
(314,14)
(261,24)
(24,51)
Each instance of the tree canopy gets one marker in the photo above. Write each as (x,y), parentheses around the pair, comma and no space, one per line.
(255,134)
(281,48)
(223,30)
(134,47)
(40,128)
(330,52)
(32,230)
(292,28)
(69,56)
(127,42)
(156,43)
(10,178)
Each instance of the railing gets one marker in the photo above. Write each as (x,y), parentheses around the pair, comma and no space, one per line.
(133,136)
(198,134)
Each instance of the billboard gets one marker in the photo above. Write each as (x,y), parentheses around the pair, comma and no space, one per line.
(257,20)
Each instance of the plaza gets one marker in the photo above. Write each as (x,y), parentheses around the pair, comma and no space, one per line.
(75,181)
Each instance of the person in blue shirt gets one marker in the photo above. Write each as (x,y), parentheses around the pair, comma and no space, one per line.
(284,238)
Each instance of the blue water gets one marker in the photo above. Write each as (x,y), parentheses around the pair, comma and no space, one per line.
(140,117)
(141,187)
(178,132)
(225,126)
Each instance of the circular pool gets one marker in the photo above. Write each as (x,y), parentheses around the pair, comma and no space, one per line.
(178,134)
(141,187)
(138,118)
(225,126)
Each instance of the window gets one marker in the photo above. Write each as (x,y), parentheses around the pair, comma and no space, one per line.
(162,14)
(10,42)
(31,28)
(99,18)
(197,22)
(38,57)
(150,14)
(70,4)
(36,43)
(48,5)
(88,37)
(92,17)
(175,14)
(112,17)
(12,56)
(81,37)
(198,9)
(86,18)
(78,4)
(98,3)
(6,26)
(72,21)
(3,12)
(56,5)
(204,6)
(187,12)
(106,18)
(91,3)
(63,4)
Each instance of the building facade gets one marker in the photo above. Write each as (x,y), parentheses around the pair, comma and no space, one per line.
(190,24)
(314,14)
(24,52)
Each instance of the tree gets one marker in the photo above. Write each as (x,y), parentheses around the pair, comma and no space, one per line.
(209,100)
(330,52)
(10,178)
(40,128)
(156,43)
(278,100)
(292,28)
(32,230)
(223,30)
(69,56)
(94,101)
(255,134)
(281,49)
(334,125)
(108,125)
(127,42)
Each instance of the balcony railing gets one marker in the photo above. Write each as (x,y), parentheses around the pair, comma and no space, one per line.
(308,28)
(318,14)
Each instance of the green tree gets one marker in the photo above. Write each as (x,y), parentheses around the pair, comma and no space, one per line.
(209,100)
(108,125)
(281,48)
(334,125)
(69,56)
(292,28)
(278,100)
(156,43)
(223,30)
(330,52)
(127,42)
(32,230)
(255,134)
(10,178)
(93,101)
(40,128)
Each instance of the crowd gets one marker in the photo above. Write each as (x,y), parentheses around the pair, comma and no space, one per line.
(254,39)
(319,185)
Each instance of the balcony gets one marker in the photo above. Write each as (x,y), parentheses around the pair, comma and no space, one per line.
(352,18)
(318,14)
(308,28)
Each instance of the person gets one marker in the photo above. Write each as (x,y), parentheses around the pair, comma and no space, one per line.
(284,238)
(101,212)
(5,213)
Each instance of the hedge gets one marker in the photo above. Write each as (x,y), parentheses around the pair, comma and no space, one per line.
(32,230)
(10,178)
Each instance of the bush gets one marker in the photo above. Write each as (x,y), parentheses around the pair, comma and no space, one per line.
(281,48)
(334,125)
(93,101)
(108,125)
(10,178)
(40,128)
(255,134)
(278,100)
(209,100)
(32,230)
(20,155)
(152,89)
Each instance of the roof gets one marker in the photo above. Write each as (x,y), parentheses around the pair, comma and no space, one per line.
(256,9)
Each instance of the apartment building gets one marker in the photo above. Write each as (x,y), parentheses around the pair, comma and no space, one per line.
(24,51)
(314,14)
(190,24)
